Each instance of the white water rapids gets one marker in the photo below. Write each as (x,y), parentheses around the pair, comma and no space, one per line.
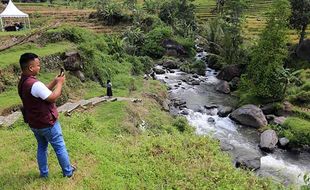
(281,165)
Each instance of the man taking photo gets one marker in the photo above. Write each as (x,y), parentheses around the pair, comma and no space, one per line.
(40,112)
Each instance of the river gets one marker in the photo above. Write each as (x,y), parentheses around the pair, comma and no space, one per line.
(282,166)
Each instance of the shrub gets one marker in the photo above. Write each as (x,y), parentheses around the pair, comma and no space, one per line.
(137,66)
(152,46)
(198,67)
(299,90)
(72,34)
(151,6)
(110,13)
(182,125)
(187,43)
(133,39)
(297,130)
(147,62)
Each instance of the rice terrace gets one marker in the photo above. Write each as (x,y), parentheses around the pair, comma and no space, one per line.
(146,94)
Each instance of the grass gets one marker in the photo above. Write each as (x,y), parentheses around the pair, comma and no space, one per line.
(16,33)
(11,56)
(297,130)
(109,156)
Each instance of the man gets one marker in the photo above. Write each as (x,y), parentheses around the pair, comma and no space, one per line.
(40,112)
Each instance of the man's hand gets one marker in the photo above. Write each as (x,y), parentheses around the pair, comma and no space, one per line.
(60,79)
(57,92)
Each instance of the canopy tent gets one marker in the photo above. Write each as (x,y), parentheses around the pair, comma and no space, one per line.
(11,11)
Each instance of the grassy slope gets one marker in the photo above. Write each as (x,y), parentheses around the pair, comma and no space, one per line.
(11,56)
(111,153)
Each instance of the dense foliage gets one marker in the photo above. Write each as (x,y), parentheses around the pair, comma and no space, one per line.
(265,76)
(300,17)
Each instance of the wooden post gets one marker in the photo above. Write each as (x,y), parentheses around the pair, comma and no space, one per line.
(1,22)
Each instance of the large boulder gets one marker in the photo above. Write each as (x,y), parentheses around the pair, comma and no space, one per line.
(269,109)
(231,71)
(173,46)
(268,140)
(79,75)
(73,61)
(169,64)
(283,142)
(223,87)
(224,111)
(247,158)
(304,49)
(279,120)
(249,115)
(285,110)
(159,71)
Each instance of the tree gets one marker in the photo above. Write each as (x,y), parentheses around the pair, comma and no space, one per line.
(300,17)
(180,15)
(233,15)
(265,76)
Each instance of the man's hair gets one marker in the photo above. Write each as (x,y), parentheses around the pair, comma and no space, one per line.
(25,59)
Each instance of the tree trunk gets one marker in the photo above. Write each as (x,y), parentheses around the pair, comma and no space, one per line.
(302,34)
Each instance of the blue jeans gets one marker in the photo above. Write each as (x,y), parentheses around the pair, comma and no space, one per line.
(52,135)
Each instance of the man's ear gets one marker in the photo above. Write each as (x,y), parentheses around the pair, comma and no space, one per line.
(30,67)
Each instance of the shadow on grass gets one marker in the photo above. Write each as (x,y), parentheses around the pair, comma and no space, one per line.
(20,180)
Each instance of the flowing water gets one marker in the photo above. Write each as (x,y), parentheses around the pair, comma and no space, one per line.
(281,165)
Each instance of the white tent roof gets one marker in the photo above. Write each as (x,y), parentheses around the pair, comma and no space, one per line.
(12,11)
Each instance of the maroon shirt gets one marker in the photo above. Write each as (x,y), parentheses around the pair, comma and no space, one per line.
(37,112)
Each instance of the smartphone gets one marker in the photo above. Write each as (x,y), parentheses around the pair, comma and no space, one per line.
(61,72)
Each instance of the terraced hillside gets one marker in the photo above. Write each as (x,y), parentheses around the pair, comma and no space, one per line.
(42,14)
(255,17)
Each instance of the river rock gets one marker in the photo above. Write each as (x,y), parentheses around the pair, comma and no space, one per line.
(159,71)
(249,115)
(233,84)
(279,120)
(225,146)
(195,82)
(171,45)
(248,159)
(171,53)
(199,49)
(224,111)
(283,141)
(211,120)
(285,110)
(270,118)
(210,106)
(268,140)
(169,64)
(223,87)
(177,102)
(231,71)
(184,112)
(195,76)
(268,109)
